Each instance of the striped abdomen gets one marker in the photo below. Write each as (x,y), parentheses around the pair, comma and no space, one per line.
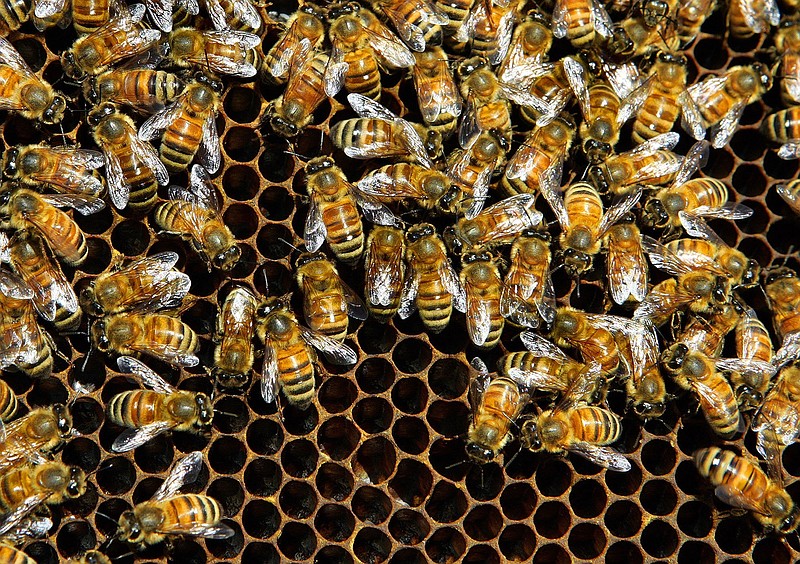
(14,13)
(658,114)
(137,408)
(296,370)
(595,425)
(181,141)
(345,230)
(434,302)
(90,15)
(363,75)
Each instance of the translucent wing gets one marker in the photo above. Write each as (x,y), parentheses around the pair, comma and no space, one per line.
(721,133)
(159,285)
(441,98)
(560,21)
(665,141)
(155,126)
(48,8)
(695,159)
(243,10)
(209,153)
(200,192)
(453,285)
(790,349)
(391,50)
(335,71)
(791,197)
(185,471)
(13,286)
(369,108)
(131,439)
(789,151)
(270,373)
(408,297)
(600,19)
(603,456)
(540,346)
(130,365)
(633,102)
(161,13)
(83,204)
(118,188)
(478,382)
(144,151)
(315,230)
(691,118)
(334,351)
(736,498)
(479,322)
(409,31)
(504,33)
(627,271)
(663,257)
(658,304)
(16,515)
(576,76)
(552,193)
(10,57)
(356,308)
(166,352)
(760,18)
(728,210)
(384,278)
(703,91)
(621,206)
(196,529)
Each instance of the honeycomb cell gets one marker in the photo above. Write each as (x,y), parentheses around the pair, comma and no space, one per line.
(758,222)
(81,452)
(374,375)
(42,553)
(449,418)
(624,552)
(444,343)
(623,518)
(376,338)
(658,497)
(688,480)
(484,483)
(624,483)
(98,257)
(553,477)
(412,356)
(744,148)
(659,539)
(87,415)
(75,538)
(299,458)
(241,144)
(227,455)
(408,527)
(586,540)
(154,457)
(270,242)
(482,554)
(448,378)
(300,422)
(275,165)
(333,555)
(241,104)
(695,519)
(229,493)
(552,554)
(447,503)
(410,435)
(231,415)
(261,552)
(375,460)
(260,519)
(338,438)
(337,394)
(518,501)
(658,457)
(772,550)
(371,505)
(264,436)
(552,520)
(241,219)
(720,164)
(412,482)
(297,500)
(775,167)
(334,482)
(297,541)
(116,476)
(694,551)
(734,535)
(262,477)
(130,238)
(517,542)
(483,523)
(410,395)
(445,545)
(230,547)
(280,278)
(334,522)
(373,415)
(372,546)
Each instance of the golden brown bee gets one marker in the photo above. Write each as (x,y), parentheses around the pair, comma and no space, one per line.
(580,21)
(120,38)
(708,335)
(133,169)
(305,91)
(427,187)
(777,423)
(227,52)
(722,99)
(418,22)
(787,44)
(496,403)
(11,555)
(235,353)
(783,293)
(625,264)
(437,94)
(690,16)
(583,222)
(308,22)
(90,15)
(14,14)
(481,281)
(471,169)
(489,27)
(64,169)
(188,128)
(790,193)
(783,127)
(288,356)
(362,45)
(712,251)
(53,296)
(90,557)
(749,17)
(488,106)
(21,208)
(149,413)
(327,300)
(742,484)
(591,334)
(432,286)
(241,15)
(499,224)
(48,482)
(194,213)
(603,111)
(146,90)
(550,83)
(24,92)
(23,343)
(652,26)
(456,12)
(574,427)
(527,297)
(384,271)
(42,430)
(530,45)
(540,158)
(753,343)
(171,513)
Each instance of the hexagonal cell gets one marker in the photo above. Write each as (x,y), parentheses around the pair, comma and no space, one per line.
(410,435)
(445,545)
(448,378)
(373,415)
(659,539)
(371,505)
(372,545)
(446,503)
(553,477)
(229,493)
(658,497)
(624,483)
(482,554)
(408,527)
(334,522)
(518,501)
(261,552)
(410,395)
(299,458)
(264,436)
(270,242)
(241,219)
(297,500)
(376,338)
(658,457)
(552,553)
(337,394)
(623,518)
(338,438)
(483,523)
(485,482)
(242,104)
(117,476)
(375,460)
(449,418)
(262,477)
(734,535)
(275,164)
(130,238)
(275,203)
(227,455)
(375,375)
(75,538)
(695,519)
(333,555)
(412,356)
(552,520)
(334,482)
(300,422)
(412,482)
(297,541)
(517,542)
(771,550)
(241,144)
(588,498)
(624,552)
(586,541)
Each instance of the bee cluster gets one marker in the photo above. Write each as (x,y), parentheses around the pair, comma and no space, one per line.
(566,179)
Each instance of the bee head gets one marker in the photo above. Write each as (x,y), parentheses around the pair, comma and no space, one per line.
(282,126)
(789,524)
(655,214)
(649,409)
(479,454)
(448,202)
(306,258)
(772,275)
(228,258)
(420,231)
(675,356)
(576,262)
(10,162)
(54,113)
(226,379)
(598,177)
(751,274)
(749,397)
(473,257)
(63,420)
(319,164)
(720,290)
(99,335)
(764,76)
(70,67)
(597,151)
(129,527)
(89,302)
(529,436)
(205,411)
(451,240)
(99,113)
(77,483)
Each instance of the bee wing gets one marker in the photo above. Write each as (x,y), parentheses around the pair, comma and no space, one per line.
(621,206)
(390,50)
(627,272)
(225,65)
(791,197)
(379,183)
(185,471)
(603,456)
(48,8)
(625,79)
(524,160)
(383,277)
(156,124)
(721,133)
(703,91)
(656,303)
(209,153)
(82,203)
(165,352)
(560,21)
(13,286)
(789,151)
(540,346)
(789,351)
(144,151)
(356,308)
(190,6)
(369,108)
(663,258)
(536,380)
(711,399)
(453,285)
(479,321)
(335,71)
(576,76)
(58,293)
(503,34)
(469,128)
(759,19)
(633,102)
(11,58)
(581,387)
(736,498)
(118,188)
(480,192)
(665,141)
(196,529)
(411,32)
(551,190)
(161,286)
(16,515)
(130,365)
(130,439)
(517,214)
(691,118)
(600,19)
(270,373)
(315,230)
(792,84)
(161,13)
(746,365)
(728,210)
(478,382)
(333,350)
(695,159)
(519,289)
(243,39)
(522,97)
(204,195)
(408,296)
(243,10)
(442,97)
(466,30)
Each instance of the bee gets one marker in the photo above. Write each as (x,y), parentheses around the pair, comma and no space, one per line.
(591,334)
(783,295)
(708,335)
(133,169)
(24,92)
(49,13)
(644,384)
(653,21)
(327,300)
(705,253)
(548,88)
(164,13)
(53,296)
(42,430)
(90,557)
(305,91)
(122,37)
(742,484)
(722,99)
(188,127)
(48,482)
(540,158)
(488,107)
(499,224)
(574,427)
(749,17)
(583,222)
(8,401)
(361,45)
(752,343)
(288,356)
(333,214)
(456,12)
(171,513)
(489,27)
(529,45)
(787,45)
(418,22)
(783,127)
(625,264)
(14,14)
(64,169)
(690,16)
(790,193)
(241,15)
(480,278)
(431,285)
(149,413)
(234,354)
(384,271)
(776,422)
(527,296)
(194,213)
(470,171)
(437,94)
(308,22)
(227,52)
(144,89)
(581,21)
(90,15)
(13,556)
(428,188)
(379,133)
(21,208)
(496,404)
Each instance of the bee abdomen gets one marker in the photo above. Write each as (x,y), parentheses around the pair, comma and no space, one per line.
(362,75)
(135,408)
(190,509)
(435,306)
(14,13)
(180,144)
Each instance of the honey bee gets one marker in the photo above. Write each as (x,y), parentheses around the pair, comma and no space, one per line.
(327,300)
(708,335)
(234,354)
(527,295)
(149,413)
(777,422)
(644,384)
(783,294)
(288,356)
(583,222)
(332,213)
(470,171)
(489,27)
(690,16)
(380,133)
(752,343)
(122,37)
(361,45)
(188,128)
(428,188)
(581,21)
(24,92)
(480,278)
(456,12)
(305,91)
(164,13)
(540,158)
(722,99)
(787,45)
(194,214)
(133,169)
(14,14)
(42,430)
(783,127)
(64,169)
(21,208)
(384,271)
(49,13)
(431,285)
(437,94)
(626,265)
(171,513)
(13,556)
(48,482)
(418,22)
(240,15)
(499,224)
(547,86)
(529,45)
(488,107)
(227,52)
(90,557)
(571,426)
(790,193)
(90,15)
(749,17)
(742,484)
(308,22)
(652,22)
(496,403)
(53,296)
(705,253)
(592,335)
(142,88)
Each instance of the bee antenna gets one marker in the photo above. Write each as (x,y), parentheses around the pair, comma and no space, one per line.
(288,244)
(459,463)
(298,155)
(510,460)
(220,412)
(109,540)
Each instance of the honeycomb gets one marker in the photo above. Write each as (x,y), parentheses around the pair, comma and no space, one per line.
(375,470)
